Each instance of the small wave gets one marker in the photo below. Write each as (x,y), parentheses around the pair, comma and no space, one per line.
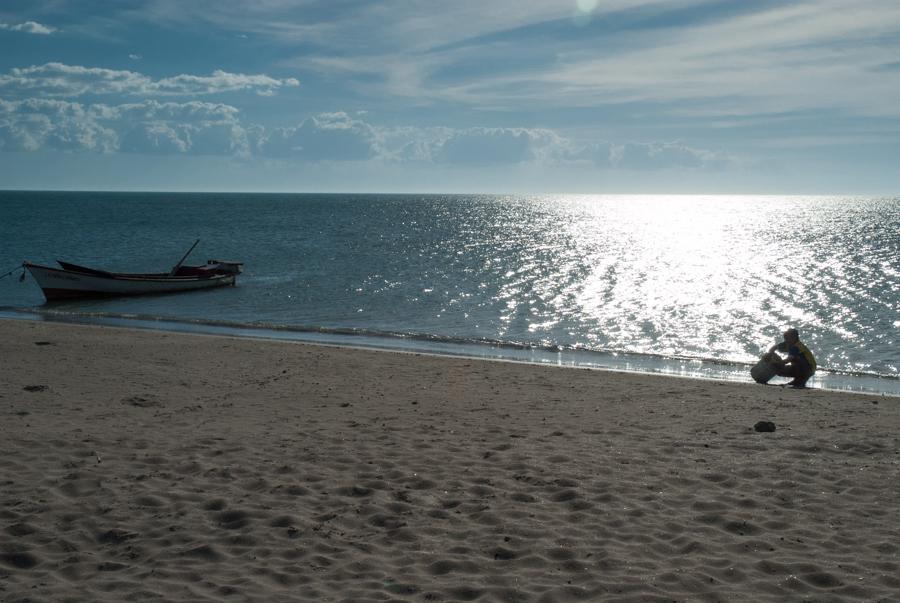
(259,329)
(366,332)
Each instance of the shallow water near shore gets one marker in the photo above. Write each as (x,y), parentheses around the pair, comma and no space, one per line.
(639,363)
(684,285)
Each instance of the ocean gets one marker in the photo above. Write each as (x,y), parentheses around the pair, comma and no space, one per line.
(686,285)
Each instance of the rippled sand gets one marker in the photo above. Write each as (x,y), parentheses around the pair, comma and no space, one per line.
(144,465)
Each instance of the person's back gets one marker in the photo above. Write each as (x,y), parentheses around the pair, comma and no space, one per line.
(799,350)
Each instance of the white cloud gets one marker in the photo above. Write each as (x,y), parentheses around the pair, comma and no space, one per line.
(156,138)
(371,28)
(487,146)
(31,27)
(326,137)
(757,58)
(147,127)
(663,155)
(36,123)
(809,55)
(201,128)
(754,59)
(60,80)
(801,56)
(196,127)
(189,112)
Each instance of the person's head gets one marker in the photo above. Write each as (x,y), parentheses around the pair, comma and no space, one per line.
(791,335)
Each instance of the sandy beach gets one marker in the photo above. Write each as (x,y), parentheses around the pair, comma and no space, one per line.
(139,465)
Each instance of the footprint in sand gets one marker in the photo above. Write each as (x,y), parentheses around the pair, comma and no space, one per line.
(234,519)
(20,560)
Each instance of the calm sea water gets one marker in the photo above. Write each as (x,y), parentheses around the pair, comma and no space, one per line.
(685,284)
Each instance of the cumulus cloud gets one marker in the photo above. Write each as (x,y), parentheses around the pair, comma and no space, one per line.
(203,128)
(173,128)
(156,138)
(498,146)
(31,27)
(326,137)
(147,127)
(639,155)
(61,80)
(472,146)
(36,123)
(590,153)
(484,146)
(662,155)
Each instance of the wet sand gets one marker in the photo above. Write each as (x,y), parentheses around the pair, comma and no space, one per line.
(144,465)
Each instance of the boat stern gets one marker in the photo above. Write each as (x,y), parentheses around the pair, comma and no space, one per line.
(225,267)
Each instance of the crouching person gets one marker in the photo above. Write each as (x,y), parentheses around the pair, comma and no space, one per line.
(799,363)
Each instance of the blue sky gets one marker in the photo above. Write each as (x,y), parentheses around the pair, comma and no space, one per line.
(615,96)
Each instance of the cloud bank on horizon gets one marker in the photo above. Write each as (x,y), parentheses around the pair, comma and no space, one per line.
(754,95)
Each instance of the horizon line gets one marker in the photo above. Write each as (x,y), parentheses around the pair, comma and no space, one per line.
(435,193)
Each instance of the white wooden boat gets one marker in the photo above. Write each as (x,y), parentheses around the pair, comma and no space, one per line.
(74,281)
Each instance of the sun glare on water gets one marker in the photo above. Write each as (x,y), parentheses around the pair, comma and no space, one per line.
(670,274)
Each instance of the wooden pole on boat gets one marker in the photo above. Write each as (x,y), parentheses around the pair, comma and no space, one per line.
(180,262)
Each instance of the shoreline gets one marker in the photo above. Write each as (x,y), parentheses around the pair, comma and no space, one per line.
(184,467)
(648,364)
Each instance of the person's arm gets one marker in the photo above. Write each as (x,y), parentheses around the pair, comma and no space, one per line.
(776,360)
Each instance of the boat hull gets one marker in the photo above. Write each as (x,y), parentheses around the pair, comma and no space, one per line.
(67,284)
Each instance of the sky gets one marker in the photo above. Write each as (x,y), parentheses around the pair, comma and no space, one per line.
(469,96)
